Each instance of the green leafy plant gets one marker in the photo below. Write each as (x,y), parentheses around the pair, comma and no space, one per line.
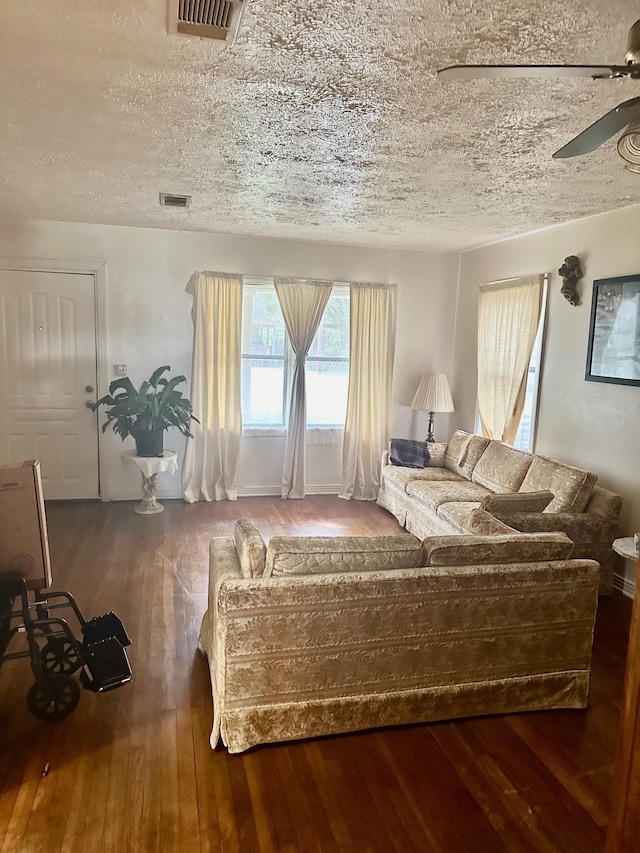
(155,406)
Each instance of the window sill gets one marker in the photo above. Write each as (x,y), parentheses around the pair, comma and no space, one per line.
(315,435)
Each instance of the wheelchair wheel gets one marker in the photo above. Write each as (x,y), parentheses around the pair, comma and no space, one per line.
(61,656)
(57,701)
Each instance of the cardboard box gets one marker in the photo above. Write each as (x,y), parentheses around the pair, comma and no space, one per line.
(24,544)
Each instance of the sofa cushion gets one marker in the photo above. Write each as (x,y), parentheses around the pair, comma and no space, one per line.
(434,494)
(483,523)
(457,513)
(463,452)
(467,517)
(502,468)
(310,555)
(250,547)
(402,476)
(454,448)
(571,486)
(511,548)
(501,505)
(437,451)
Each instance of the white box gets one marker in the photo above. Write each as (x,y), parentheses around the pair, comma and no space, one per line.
(24,543)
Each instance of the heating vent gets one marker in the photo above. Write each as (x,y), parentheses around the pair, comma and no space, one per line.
(213,19)
(172,200)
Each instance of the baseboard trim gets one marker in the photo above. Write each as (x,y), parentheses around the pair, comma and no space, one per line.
(624,585)
(136,495)
(276,491)
(243,492)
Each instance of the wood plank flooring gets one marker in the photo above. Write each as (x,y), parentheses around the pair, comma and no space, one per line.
(133,771)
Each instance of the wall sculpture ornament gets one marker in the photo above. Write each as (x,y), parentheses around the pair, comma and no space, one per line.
(571,275)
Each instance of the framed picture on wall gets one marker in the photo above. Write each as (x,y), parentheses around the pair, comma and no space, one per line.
(613,353)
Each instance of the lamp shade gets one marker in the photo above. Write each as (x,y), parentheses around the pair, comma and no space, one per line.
(433,394)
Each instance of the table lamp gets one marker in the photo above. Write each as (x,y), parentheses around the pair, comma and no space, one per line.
(433,395)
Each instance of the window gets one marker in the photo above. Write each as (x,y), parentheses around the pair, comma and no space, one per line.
(527,429)
(265,359)
(267,362)
(504,308)
(327,366)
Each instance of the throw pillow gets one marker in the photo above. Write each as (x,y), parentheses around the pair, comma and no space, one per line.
(500,504)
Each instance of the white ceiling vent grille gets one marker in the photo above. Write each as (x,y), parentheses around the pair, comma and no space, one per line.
(212,19)
(173,200)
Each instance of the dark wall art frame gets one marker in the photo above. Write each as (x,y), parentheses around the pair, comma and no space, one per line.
(613,353)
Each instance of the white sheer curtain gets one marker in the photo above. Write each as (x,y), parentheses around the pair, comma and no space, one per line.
(508,317)
(210,469)
(303,303)
(371,356)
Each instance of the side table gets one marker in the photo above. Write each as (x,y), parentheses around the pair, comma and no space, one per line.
(626,547)
(150,467)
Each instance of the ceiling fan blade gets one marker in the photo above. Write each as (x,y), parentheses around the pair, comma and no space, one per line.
(476,72)
(602,129)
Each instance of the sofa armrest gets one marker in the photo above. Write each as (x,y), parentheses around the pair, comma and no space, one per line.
(604,504)
(224,565)
(579,526)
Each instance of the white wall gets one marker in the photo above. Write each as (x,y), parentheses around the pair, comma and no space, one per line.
(590,424)
(149,320)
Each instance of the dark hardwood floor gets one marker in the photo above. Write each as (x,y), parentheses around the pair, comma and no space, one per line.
(132,770)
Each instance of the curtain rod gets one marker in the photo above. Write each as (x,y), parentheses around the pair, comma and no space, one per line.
(504,281)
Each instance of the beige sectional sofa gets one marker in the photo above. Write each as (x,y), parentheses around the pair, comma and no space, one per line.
(319,635)
(520,492)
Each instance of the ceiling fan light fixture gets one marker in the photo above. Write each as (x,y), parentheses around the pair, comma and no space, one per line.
(629,147)
(633,44)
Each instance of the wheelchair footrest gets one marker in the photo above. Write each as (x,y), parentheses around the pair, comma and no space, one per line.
(106,665)
(103,627)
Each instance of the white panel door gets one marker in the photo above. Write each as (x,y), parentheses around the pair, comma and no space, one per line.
(47,374)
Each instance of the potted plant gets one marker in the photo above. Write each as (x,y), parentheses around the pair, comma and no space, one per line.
(145,413)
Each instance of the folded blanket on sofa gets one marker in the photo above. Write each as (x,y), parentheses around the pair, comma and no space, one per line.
(409,453)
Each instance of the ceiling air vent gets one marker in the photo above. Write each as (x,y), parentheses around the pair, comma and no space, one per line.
(172,200)
(212,19)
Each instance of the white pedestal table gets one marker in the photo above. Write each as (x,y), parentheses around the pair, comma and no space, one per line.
(626,547)
(150,467)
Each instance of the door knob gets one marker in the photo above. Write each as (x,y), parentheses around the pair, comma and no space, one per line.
(88,388)
(88,404)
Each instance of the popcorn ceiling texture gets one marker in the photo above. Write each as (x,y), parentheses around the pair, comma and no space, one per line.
(325,121)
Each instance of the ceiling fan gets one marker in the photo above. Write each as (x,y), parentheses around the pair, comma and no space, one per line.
(626,114)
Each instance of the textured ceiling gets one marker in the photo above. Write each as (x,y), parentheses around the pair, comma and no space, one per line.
(324,121)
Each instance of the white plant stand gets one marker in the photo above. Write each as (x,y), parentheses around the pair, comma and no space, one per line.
(150,467)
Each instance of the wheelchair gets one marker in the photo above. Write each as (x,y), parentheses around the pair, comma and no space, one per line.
(54,652)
